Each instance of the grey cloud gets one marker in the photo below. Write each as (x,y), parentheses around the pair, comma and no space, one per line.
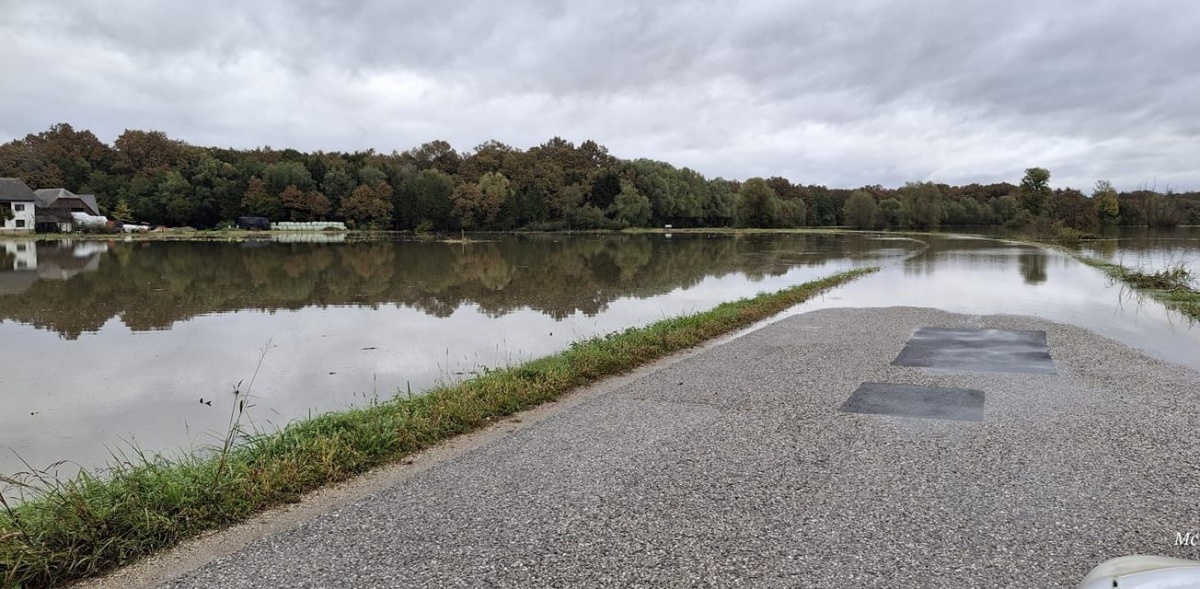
(842,93)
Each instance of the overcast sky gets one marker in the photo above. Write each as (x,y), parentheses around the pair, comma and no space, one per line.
(842,93)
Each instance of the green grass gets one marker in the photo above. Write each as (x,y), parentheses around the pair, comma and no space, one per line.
(77,528)
(1171,286)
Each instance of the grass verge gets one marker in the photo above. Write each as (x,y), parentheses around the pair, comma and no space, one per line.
(90,524)
(1171,286)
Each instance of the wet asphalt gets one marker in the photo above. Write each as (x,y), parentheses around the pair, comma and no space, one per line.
(736,467)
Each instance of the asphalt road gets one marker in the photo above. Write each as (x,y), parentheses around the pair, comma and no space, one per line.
(735,467)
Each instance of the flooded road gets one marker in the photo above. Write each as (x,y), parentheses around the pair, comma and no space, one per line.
(111,343)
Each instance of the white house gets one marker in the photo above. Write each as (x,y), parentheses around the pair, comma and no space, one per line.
(17,206)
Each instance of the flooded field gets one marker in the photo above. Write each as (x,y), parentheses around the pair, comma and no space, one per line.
(108,344)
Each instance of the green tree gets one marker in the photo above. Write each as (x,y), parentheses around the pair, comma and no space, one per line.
(1007,210)
(277,177)
(1108,208)
(630,208)
(892,213)
(793,212)
(718,207)
(217,191)
(923,204)
(973,212)
(175,193)
(122,212)
(953,213)
(337,184)
(432,189)
(757,204)
(371,176)
(1035,190)
(860,210)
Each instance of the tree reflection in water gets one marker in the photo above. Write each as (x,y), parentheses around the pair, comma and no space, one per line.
(152,285)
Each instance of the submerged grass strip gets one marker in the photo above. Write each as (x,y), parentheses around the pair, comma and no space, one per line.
(81,527)
(1171,286)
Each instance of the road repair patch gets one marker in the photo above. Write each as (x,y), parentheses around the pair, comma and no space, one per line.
(901,400)
(978,350)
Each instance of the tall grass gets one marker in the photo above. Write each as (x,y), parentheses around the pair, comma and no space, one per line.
(1171,285)
(71,529)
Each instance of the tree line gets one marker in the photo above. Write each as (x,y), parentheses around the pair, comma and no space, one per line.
(147,177)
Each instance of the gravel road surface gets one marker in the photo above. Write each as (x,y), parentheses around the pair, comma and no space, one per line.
(735,468)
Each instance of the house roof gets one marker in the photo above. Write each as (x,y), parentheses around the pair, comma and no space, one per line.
(14,190)
(48,197)
(90,201)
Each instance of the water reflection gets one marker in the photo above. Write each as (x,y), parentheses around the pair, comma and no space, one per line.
(1033,266)
(23,263)
(119,340)
(1148,249)
(153,285)
(984,277)
(111,341)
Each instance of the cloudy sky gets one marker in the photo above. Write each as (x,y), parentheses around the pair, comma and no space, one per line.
(842,93)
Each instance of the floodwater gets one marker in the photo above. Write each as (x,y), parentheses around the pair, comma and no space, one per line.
(1149,249)
(107,344)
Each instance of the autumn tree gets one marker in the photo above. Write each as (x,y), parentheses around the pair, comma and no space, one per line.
(21,159)
(496,189)
(477,204)
(57,157)
(1069,207)
(259,203)
(304,206)
(1161,210)
(368,207)
(438,155)
(140,152)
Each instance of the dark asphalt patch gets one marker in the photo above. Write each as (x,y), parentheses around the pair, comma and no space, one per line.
(901,400)
(978,350)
